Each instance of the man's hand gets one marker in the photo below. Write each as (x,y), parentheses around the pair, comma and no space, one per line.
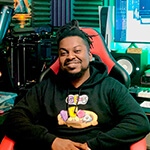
(65,144)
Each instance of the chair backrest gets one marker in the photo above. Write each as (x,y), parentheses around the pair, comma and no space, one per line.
(100,48)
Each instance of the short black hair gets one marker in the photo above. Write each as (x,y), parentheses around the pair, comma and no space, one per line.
(72,29)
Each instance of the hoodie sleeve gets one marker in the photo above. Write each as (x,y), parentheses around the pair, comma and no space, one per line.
(21,122)
(132,122)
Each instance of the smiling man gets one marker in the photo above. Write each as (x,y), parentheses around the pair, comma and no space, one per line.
(74,59)
(80,108)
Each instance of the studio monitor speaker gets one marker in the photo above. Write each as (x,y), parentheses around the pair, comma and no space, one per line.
(133,63)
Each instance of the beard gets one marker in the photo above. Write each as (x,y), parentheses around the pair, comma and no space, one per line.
(74,76)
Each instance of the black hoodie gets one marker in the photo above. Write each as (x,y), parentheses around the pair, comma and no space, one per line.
(100,112)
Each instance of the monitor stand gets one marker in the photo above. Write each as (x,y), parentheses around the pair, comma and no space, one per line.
(133,45)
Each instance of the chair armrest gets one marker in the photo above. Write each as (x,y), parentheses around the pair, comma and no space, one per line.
(7,144)
(140,145)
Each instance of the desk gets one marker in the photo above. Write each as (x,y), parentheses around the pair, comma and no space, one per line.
(140,101)
(6,103)
(134,91)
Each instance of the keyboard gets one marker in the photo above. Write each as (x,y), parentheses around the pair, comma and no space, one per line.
(142,95)
(145,93)
(140,92)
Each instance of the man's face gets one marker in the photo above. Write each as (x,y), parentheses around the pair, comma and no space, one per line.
(74,55)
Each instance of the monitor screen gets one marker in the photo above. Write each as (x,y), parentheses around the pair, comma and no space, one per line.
(132,21)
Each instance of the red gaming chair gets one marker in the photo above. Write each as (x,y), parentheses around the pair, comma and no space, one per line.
(114,70)
(99,48)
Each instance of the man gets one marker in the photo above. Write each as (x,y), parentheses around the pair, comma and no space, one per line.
(81,108)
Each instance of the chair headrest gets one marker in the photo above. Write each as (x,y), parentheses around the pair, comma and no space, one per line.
(99,48)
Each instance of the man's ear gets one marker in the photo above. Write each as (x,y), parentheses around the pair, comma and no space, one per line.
(91,56)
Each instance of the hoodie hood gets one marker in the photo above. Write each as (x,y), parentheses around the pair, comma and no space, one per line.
(98,71)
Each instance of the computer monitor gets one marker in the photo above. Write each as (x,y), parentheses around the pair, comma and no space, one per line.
(132,21)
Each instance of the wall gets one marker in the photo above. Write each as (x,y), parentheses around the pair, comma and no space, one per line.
(87,12)
(74,9)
